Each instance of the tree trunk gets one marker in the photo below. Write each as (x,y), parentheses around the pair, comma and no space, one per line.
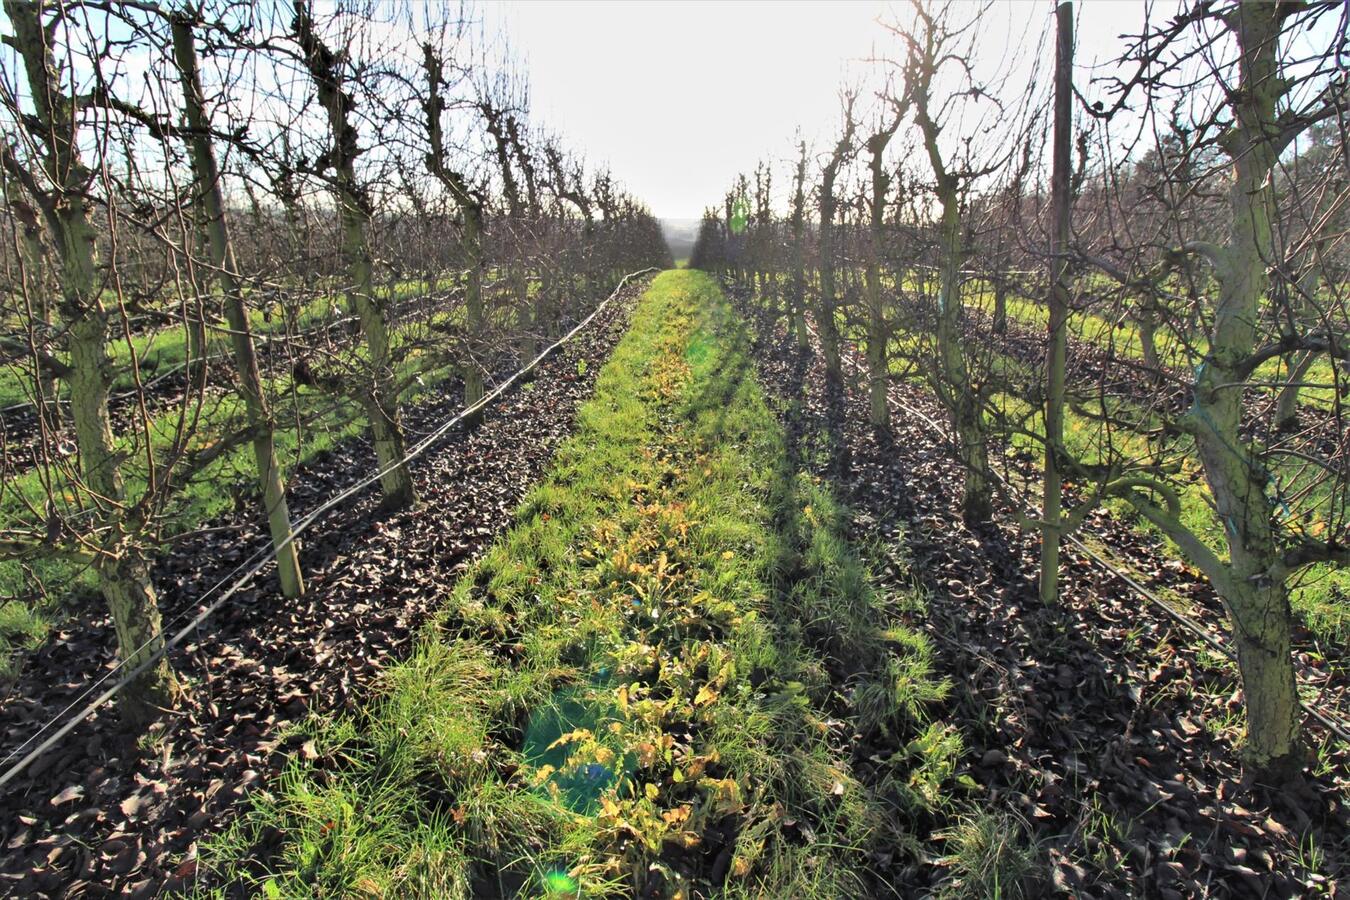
(126,586)
(1057,349)
(470,208)
(1146,324)
(1286,404)
(825,307)
(473,301)
(877,376)
(1262,626)
(798,287)
(799,298)
(33,277)
(206,173)
(1254,587)
(380,395)
(528,318)
(951,381)
(198,346)
(961,399)
(543,311)
(123,575)
(516,280)
(877,334)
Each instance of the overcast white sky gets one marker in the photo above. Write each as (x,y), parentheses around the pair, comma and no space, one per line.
(679,97)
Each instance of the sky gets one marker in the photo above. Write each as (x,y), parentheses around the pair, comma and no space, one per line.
(679,97)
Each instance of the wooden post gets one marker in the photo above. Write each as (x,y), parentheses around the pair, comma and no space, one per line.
(1060,203)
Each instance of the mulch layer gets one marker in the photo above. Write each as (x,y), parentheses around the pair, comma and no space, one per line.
(1091,725)
(106,813)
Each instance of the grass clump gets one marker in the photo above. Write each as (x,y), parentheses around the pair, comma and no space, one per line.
(989,857)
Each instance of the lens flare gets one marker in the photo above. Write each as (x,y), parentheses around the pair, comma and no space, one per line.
(577,779)
(740,215)
(557,883)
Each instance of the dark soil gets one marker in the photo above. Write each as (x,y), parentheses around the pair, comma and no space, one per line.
(1087,723)
(105,814)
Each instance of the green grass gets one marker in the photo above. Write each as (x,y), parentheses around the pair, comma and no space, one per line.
(66,583)
(668,651)
(988,857)
(157,351)
(47,585)
(1121,336)
(1318,595)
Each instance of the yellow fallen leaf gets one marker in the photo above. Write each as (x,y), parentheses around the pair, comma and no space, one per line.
(679,815)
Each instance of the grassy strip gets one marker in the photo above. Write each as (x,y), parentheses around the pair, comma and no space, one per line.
(1317,596)
(159,350)
(651,684)
(1121,337)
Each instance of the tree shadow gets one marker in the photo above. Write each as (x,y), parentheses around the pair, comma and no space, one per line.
(1091,721)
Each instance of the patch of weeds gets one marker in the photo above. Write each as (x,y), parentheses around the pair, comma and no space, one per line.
(1226,723)
(20,627)
(1102,834)
(989,856)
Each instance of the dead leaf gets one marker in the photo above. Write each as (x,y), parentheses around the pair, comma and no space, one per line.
(69,795)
